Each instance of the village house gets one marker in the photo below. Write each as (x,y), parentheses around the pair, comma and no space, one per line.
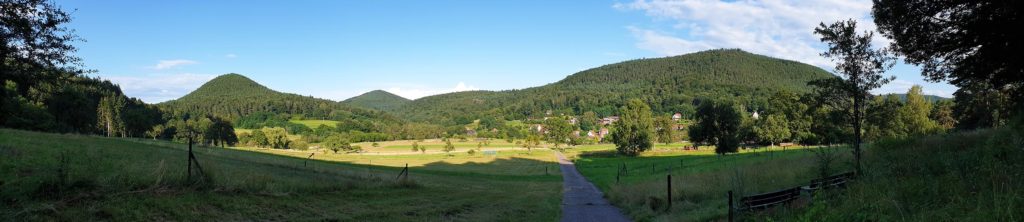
(677,117)
(538,128)
(609,120)
(755,116)
(603,133)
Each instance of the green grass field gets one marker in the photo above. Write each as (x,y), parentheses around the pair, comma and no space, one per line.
(313,124)
(73,177)
(700,178)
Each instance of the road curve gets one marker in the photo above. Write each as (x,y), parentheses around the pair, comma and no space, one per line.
(581,200)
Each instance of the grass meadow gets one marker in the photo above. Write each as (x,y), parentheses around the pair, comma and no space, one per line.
(313,124)
(74,177)
(700,179)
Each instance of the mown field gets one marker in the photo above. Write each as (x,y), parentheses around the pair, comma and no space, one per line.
(313,124)
(73,177)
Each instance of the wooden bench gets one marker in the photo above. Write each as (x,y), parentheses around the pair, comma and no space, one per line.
(767,200)
(834,181)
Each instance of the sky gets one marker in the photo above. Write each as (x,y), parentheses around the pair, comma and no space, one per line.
(161,50)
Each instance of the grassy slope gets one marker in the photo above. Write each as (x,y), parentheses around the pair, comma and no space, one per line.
(700,179)
(968,176)
(120,179)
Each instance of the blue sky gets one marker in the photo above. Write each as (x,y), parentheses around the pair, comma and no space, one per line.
(159,51)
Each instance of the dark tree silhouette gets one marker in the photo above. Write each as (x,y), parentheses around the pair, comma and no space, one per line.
(860,64)
(969,43)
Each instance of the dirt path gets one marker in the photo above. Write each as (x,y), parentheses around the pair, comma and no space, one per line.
(581,200)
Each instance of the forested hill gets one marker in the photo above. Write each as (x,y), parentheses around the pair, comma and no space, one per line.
(929,98)
(232,96)
(378,100)
(670,84)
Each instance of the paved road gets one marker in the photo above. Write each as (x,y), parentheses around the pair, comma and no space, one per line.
(581,200)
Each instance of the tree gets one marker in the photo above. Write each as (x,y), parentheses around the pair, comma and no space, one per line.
(969,43)
(795,110)
(915,114)
(558,130)
(883,119)
(635,127)
(277,137)
(36,46)
(860,64)
(415,146)
(718,123)
(772,129)
(532,141)
(336,143)
(942,114)
(109,114)
(588,121)
(259,139)
(156,131)
(981,106)
(448,147)
(663,128)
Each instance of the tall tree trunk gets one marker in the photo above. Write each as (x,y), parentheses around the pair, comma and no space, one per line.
(857,132)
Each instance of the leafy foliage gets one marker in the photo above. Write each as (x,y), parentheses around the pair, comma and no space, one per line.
(718,123)
(634,133)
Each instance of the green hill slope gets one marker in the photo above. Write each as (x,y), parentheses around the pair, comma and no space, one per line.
(234,95)
(378,100)
(670,84)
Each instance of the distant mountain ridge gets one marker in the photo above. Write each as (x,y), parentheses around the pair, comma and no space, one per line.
(378,100)
(233,95)
(929,98)
(669,84)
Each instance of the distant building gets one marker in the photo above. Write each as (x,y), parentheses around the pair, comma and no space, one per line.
(755,116)
(591,134)
(602,133)
(471,132)
(572,121)
(538,128)
(609,120)
(677,116)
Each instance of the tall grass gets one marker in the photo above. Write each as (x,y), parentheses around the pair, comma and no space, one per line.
(701,180)
(965,176)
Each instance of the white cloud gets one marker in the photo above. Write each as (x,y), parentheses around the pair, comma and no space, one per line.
(231,56)
(416,92)
(156,88)
(167,64)
(778,28)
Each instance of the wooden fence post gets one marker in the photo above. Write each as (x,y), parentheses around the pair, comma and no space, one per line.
(669,179)
(731,218)
(307,159)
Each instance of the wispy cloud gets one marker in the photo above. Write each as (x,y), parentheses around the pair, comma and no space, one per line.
(778,28)
(156,88)
(416,92)
(167,64)
(231,56)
